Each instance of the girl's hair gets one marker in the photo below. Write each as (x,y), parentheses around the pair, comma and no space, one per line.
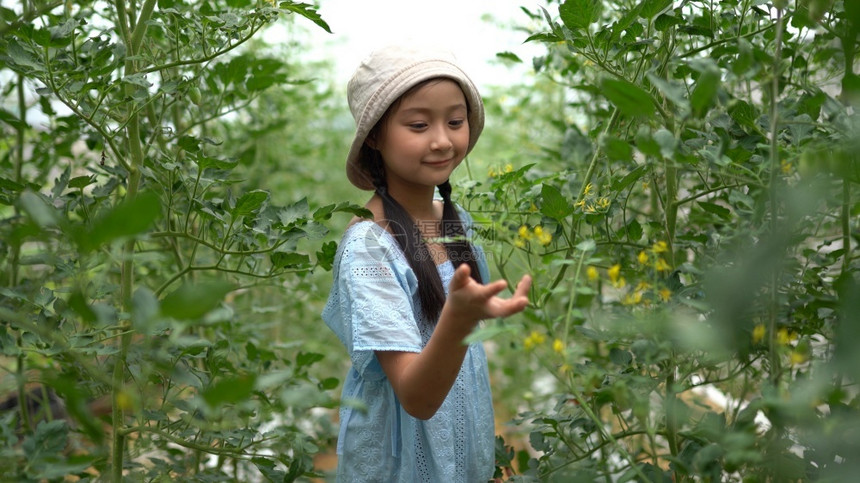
(431,294)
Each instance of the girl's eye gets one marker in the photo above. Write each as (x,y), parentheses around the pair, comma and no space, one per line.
(456,122)
(418,125)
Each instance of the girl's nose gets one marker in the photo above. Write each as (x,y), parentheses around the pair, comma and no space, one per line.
(441,140)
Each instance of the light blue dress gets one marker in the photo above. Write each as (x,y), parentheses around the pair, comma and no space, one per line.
(373,306)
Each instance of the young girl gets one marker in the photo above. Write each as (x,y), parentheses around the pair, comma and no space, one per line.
(408,285)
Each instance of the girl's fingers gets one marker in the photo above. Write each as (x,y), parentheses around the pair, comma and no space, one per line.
(523,287)
(460,278)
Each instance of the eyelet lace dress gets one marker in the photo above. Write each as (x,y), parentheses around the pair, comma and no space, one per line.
(373,306)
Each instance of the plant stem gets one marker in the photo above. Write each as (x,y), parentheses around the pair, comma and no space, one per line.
(20,375)
(133,41)
(846,225)
(775,371)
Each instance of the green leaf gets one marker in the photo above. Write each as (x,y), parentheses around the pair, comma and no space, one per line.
(294,212)
(20,56)
(634,230)
(490,332)
(329,383)
(137,80)
(12,119)
(189,143)
(716,209)
(250,202)
(268,469)
(616,149)
(308,11)
(579,14)
(645,142)
(325,257)
(229,390)
(325,212)
(206,162)
(194,300)
(38,209)
(650,8)
(307,359)
(629,98)
(509,56)
(629,178)
(129,218)
(705,92)
(81,181)
(666,21)
(629,17)
(48,441)
(620,356)
(673,91)
(553,203)
(79,304)
(666,140)
(743,113)
(586,245)
(289,260)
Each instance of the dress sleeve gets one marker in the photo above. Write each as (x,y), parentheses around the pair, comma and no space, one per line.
(375,290)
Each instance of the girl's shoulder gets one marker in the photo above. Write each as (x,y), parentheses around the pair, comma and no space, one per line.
(364,241)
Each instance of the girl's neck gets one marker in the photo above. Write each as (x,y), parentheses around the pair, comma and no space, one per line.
(418,203)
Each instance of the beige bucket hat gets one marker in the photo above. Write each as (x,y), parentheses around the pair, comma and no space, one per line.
(385,75)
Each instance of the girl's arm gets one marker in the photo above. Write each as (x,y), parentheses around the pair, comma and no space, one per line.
(422,380)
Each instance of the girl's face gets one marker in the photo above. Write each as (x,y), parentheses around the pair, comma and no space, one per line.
(425,137)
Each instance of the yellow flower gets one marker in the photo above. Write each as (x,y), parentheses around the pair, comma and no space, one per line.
(523,233)
(661,265)
(644,185)
(758,333)
(534,339)
(589,208)
(660,247)
(565,368)
(783,336)
(509,168)
(592,273)
(643,285)
(665,293)
(533,208)
(785,167)
(632,298)
(558,346)
(797,357)
(588,189)
(643,257)
(491,172)
(613,272)
(519,243)
(544,237)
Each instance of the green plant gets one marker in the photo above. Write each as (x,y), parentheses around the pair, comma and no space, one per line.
(692,242)
(131,253)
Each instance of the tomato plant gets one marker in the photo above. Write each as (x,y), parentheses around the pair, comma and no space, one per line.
(131,253)
(692,237)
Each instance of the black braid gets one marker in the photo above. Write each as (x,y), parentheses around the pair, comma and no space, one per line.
(402,226)
(459,249)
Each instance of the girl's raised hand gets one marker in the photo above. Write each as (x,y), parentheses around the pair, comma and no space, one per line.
(470,300)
